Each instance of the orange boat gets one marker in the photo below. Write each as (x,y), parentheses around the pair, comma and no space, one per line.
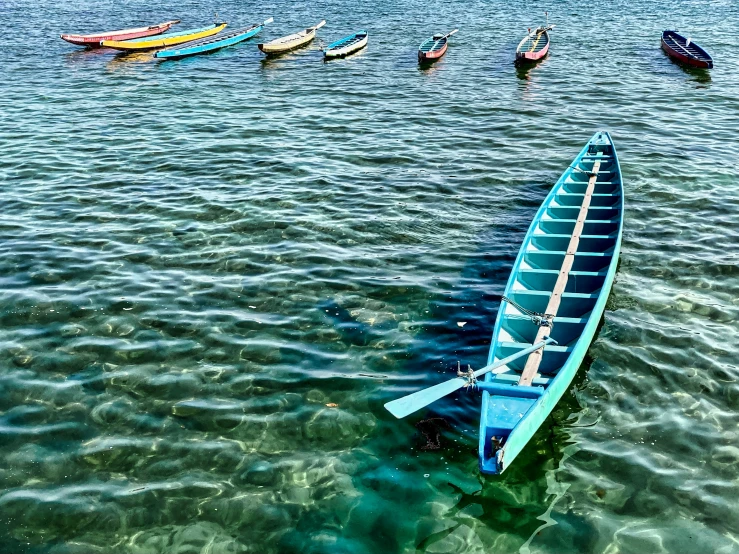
(94,40)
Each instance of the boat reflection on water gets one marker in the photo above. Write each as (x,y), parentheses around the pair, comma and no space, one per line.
(429,67)
(86,55)
(123,60)
(523,69)
(526,72)
(697,74)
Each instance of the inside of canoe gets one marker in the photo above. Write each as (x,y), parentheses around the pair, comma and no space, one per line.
(433,44)
(348,41)
(679,44)
(535,43)
(540,264)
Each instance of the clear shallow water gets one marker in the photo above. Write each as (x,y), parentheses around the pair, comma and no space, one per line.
(199,256)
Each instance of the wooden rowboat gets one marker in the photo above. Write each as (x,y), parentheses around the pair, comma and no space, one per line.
(685,50)
(434,47)
(534,46)
(346,46)
(94,40)
(290,42)
(211,44)
(549,314)
(161,41)
(558,288)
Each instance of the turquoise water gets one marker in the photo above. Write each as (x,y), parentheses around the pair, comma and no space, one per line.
(199,257)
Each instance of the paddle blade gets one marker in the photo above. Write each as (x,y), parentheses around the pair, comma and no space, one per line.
(270,20)
(414,402)
(321,24)
(454,31)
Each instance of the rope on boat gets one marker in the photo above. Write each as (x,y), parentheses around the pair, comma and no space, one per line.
(588,173)
(538,318)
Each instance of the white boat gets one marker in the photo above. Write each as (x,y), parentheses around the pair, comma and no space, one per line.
(290,42)
(347,45)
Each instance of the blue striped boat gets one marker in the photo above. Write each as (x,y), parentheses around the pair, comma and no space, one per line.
(346,46)
(558,288)
(211,44)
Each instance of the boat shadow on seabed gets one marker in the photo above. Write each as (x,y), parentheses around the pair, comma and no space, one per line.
(441,441)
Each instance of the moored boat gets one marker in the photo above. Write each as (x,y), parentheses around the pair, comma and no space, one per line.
(550,311)
(211,44)
(162,41)
(290,42)
(346,46)
(434,47)
(93,40)
(558,288)
(685,50)
(534,46)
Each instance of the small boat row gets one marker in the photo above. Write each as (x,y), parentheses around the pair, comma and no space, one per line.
(550,311)
(210,38)
(533,47)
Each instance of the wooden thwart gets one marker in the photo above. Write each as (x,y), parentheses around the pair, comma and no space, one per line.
(534,360)
(534,44)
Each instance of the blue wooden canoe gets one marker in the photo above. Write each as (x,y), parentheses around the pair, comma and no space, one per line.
(211,44)
(565,269)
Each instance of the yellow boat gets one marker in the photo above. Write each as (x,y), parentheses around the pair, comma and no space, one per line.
(161,41)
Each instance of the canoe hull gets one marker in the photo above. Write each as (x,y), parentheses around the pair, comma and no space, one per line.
(208,45)
(163,41)
(335,50)
(94,40)
(670,44)
(509,419)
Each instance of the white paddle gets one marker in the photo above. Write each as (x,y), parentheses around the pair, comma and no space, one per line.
(314,29)
(414,402)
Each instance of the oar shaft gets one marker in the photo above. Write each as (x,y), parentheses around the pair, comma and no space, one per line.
(513,357)
(422,398)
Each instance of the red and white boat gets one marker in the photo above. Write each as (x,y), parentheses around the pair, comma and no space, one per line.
(534,46)
(94,40)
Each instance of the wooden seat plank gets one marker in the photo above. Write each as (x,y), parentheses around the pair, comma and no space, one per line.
(534,360)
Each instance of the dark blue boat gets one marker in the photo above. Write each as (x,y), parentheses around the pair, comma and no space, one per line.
(685,50)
